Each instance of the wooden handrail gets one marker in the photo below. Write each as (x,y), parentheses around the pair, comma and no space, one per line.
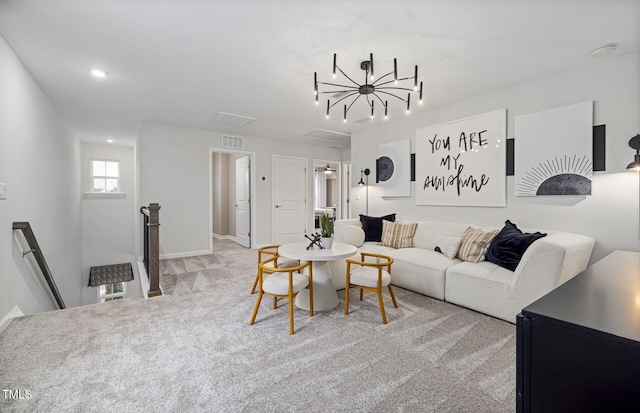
(42,263)
(151,237)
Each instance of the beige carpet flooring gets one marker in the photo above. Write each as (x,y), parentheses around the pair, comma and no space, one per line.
(193,350)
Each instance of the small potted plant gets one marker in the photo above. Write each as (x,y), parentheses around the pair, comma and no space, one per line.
(326,229)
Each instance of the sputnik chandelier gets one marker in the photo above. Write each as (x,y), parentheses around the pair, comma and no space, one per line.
(371,91)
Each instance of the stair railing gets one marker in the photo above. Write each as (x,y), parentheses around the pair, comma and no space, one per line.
(151,246)
(39,257)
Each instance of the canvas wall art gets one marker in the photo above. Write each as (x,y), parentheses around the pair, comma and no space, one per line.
(394,168)
(554,154)
(463,163)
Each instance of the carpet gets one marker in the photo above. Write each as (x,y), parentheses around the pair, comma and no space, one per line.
(192,350)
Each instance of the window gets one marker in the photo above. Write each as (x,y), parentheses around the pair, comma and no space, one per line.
(110,292)
(105,176)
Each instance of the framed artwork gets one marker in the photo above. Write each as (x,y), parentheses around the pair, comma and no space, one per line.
(554,151)
(393,169)
(463,163)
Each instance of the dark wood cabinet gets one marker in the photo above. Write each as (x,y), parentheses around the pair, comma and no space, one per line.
(578,347)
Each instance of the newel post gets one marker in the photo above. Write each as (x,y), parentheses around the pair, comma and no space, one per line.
(154,250)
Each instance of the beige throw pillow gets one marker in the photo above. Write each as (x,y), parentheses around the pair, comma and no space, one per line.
(473,244)
(397,235)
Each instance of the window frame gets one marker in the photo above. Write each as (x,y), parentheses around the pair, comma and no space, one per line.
(92,176)
(103,298)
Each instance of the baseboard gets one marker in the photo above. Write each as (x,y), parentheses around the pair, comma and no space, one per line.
(184,254)
(218,236)
(15,312)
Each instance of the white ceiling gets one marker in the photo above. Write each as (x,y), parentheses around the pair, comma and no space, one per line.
(179,62)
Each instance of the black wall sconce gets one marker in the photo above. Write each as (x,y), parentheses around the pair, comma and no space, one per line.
(635,144)
(366,173)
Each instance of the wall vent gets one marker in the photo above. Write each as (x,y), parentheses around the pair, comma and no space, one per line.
(234,142)
(223,118)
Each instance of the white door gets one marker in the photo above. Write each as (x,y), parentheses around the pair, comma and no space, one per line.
(289,195)
(243,202)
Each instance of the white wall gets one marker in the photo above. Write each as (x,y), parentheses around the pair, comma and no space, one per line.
(610,215)
(174,171)
(108,222)
(39,161)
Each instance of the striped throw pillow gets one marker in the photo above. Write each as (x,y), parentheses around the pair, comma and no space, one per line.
(398,235)
(473,244)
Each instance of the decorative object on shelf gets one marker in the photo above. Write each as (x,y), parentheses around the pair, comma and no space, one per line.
(555,154)
(371,89)
(316,239)
(635,144)
(463,162)
(393,168)
(366,186)
(326,229)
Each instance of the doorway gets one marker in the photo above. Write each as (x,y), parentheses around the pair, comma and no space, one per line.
(327,193)
(290,199)
(231,191)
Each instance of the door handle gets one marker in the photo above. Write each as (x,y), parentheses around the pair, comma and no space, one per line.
(236,205)
(278,206)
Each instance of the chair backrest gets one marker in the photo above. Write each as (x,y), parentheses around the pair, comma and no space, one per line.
(266,267)
(271,250)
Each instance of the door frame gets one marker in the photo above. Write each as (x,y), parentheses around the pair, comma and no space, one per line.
(252,178)
(339,182)
(308,205)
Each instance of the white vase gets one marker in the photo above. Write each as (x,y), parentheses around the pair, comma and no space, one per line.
(327,242)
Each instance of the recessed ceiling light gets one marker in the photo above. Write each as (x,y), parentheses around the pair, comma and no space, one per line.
(98,73)
(604,50)
(110,140)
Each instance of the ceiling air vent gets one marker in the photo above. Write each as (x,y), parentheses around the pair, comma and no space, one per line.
(329,138)
(234,142)
(222,118)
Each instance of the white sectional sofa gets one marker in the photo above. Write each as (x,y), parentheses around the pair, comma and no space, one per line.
(482,286)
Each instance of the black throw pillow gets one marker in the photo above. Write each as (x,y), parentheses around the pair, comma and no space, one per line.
(508,247)
(372,226)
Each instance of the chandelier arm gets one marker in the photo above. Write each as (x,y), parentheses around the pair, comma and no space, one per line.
(354,101)
(391,94)
(382,77)
(337,91)
(345,75)
(349,95)
(396,88)
(381,101)
(334,84)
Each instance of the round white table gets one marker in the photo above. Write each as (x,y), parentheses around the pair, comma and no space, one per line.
(324,293)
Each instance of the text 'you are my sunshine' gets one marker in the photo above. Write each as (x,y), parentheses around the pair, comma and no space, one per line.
(467,143)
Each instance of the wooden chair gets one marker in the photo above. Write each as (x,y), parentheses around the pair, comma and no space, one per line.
(283,283)
(370,276)
(272,251)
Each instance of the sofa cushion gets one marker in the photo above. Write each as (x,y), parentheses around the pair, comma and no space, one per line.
(372,226)
(424,258)
(484,287)
(427,232)
(398,235)
(473,244)
(353,235)
(447,245)
(509,245)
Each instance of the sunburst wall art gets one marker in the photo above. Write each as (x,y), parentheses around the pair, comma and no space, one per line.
(554,154)
(394,168)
